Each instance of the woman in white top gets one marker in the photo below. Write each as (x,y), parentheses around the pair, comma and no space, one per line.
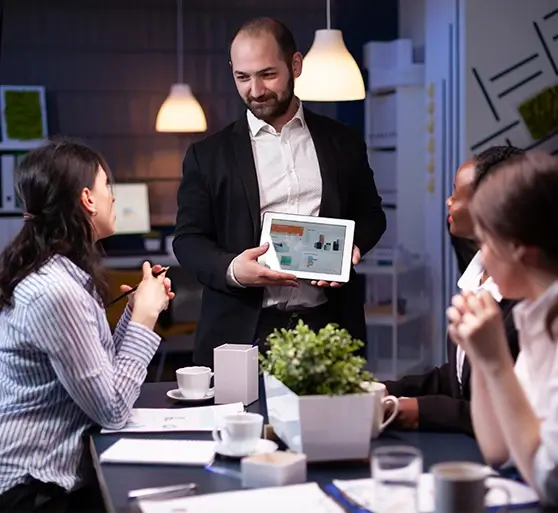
(515,408)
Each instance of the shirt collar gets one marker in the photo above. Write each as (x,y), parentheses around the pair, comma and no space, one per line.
(470,279)
(77,273)
(531,315)
(256,125)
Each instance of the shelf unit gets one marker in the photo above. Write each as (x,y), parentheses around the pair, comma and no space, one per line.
(395,133)
(391,354)
(10,212)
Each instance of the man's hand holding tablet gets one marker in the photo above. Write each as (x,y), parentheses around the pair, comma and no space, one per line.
(317,249)
(334,284)
(250,273)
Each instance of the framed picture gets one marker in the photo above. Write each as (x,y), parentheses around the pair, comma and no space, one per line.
(23,116)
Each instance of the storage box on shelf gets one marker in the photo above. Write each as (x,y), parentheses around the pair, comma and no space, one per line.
(397,312)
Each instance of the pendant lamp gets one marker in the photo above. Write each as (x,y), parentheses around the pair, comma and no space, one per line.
(180,112)
(329,71)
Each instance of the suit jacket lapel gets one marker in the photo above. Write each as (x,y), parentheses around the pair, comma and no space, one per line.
(244,162)
(324,144)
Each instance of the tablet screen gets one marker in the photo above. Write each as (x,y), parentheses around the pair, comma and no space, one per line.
(309,247)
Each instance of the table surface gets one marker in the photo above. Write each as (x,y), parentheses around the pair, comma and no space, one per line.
(117,480)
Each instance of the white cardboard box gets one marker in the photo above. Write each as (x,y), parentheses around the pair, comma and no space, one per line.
(236,368)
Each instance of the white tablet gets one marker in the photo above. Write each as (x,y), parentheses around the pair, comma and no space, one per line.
(311,248)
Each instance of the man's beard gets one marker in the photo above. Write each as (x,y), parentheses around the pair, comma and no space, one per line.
(269,106)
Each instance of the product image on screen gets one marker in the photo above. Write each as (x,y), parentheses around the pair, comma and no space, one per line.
(311,247)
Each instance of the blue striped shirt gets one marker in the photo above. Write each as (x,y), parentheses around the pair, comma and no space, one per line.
(61,372)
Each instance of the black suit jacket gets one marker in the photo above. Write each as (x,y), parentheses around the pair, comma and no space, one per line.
(443,404)
(219,217)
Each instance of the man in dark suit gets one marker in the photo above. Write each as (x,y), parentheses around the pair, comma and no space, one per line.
(439,399)
(278,157)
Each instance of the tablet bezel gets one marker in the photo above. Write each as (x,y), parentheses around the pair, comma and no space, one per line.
(347,253)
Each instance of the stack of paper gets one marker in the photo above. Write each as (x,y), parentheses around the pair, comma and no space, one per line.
(154,420)
(303,498)
(361,491)
(165,452)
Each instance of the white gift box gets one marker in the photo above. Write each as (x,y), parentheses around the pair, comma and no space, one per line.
(236,370)
(274,469)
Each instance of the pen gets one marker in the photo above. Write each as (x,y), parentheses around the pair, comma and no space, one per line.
(135,287)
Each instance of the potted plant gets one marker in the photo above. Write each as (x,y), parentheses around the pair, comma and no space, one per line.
(315,400)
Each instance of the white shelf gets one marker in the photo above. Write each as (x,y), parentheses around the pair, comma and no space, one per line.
(20,146)
(391,320)
(370,268)
(383,368)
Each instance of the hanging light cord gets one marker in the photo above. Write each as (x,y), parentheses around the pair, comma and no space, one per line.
(328,14)
(180,41)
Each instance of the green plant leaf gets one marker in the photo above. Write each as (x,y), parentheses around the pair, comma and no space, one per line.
(311,363)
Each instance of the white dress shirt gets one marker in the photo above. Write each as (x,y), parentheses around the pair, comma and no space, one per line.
(536,369)
(289,181)
(471,281)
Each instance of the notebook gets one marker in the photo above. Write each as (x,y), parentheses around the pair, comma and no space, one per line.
(301,498)
(162,452)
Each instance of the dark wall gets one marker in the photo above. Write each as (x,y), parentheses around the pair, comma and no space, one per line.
(362,21)
(107,66)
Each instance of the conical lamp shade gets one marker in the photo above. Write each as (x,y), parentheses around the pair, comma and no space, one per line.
(329,72)
(181,112)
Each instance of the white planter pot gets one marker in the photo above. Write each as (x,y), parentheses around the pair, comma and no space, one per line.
(325,428)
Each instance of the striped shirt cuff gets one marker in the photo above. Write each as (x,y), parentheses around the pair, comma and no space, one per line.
(139,343)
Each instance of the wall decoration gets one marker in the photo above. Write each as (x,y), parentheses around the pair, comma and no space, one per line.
(23,115)
(514,82)
(540,113)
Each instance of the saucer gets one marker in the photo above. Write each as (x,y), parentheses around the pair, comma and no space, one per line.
(177,396)
(264,447)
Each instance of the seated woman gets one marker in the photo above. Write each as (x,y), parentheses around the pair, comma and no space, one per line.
(515,407)
(61,369)
(439,399)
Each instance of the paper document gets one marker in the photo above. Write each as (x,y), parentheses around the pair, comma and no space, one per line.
(361,491)
(303,498)
(154,420)
(165,452)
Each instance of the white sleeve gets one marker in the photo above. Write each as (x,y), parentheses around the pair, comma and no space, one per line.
(545,463)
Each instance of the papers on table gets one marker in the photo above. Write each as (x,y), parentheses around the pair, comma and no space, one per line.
(361,491)
(307,498)
(154,420)
(165,452)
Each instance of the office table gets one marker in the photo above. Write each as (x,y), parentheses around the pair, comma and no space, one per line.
(117,480)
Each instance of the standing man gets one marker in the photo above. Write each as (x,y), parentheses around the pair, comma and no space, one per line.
(278,157)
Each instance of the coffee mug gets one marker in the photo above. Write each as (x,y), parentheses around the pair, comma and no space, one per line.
(459,487)
(239,433)
(194,382)
(378,391)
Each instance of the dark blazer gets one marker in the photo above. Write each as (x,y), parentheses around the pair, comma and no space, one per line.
(219,217)
(443,404)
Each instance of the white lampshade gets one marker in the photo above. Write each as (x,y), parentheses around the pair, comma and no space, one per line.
(181,112)
(329,72)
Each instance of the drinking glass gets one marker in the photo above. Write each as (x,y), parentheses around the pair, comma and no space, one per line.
(396,471)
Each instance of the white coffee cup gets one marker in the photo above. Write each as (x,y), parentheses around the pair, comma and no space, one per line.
(240,432)
(194,382)
(459,487)
(379,391)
